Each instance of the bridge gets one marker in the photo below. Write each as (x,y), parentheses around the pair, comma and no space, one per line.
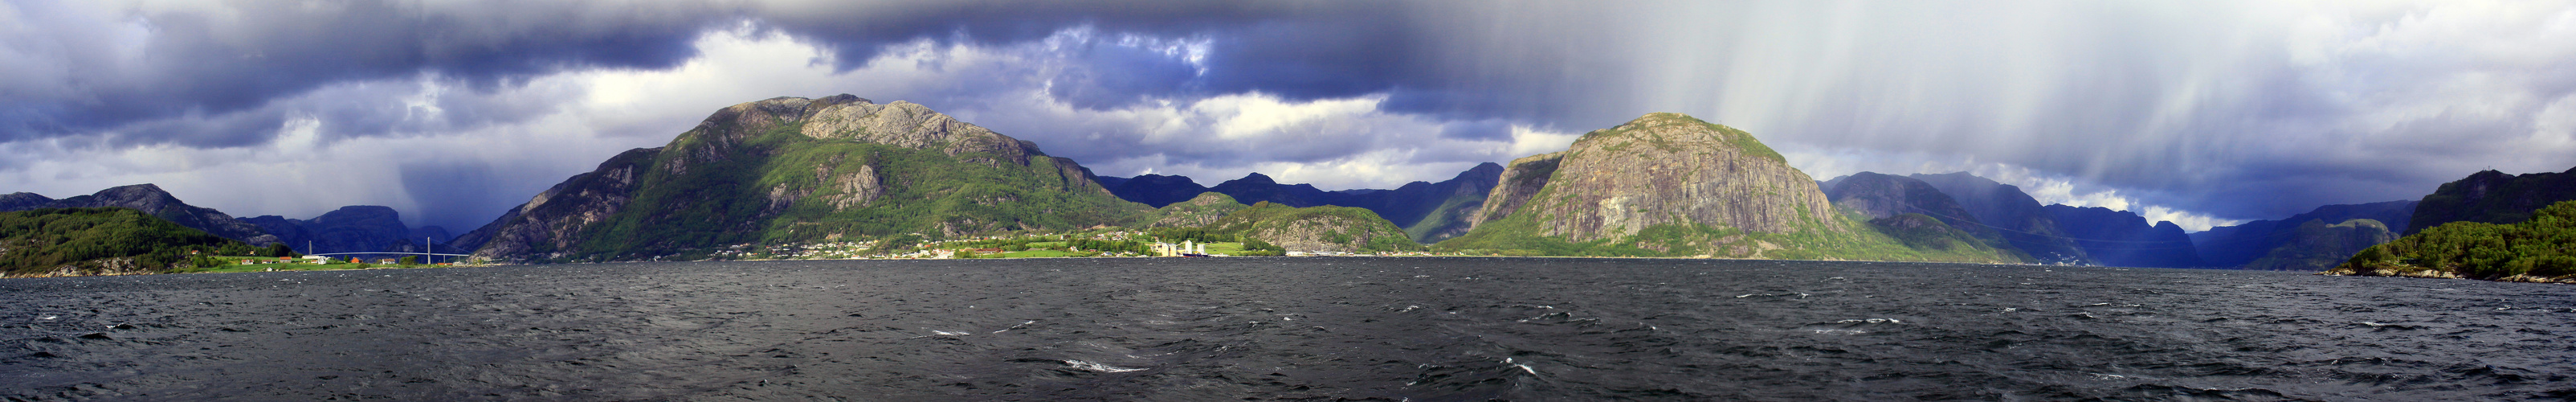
(427,257)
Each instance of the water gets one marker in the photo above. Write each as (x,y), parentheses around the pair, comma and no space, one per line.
(1287,328)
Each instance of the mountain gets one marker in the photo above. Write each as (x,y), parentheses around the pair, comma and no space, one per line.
(1880,196)
(21,201)
(356,228)
(1315,229)
(1427,211)
(2540,248)
(99,241)
(2236,246)
(2124,239)
(1152,189)
(150,200)
(2019,218)
(1201,211)
(1430,212)
(792,170)
(2492,197)
(1667,184)
(2316,246)
(1258,188)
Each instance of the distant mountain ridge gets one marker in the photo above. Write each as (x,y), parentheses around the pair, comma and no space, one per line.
(2242,244)
(1427,211)
(355,228)
(151,200)
(1881,196)
(2020,218)
(2122,238)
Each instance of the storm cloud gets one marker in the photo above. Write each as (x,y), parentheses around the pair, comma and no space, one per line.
(2197,112)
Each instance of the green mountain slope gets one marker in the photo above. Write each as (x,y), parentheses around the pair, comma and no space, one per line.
(1200,211)
(790,170)
(1315,229)
(100,241)
(2541,248)
(1668,184)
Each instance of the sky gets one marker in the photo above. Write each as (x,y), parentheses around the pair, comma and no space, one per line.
(2197,112)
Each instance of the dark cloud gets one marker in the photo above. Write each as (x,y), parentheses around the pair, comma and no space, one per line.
(459,196)
(2216,107)
(200,63)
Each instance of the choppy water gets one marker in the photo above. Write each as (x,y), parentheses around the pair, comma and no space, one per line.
(1288,328)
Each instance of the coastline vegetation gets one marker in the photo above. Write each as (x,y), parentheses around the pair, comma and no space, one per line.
(93,241)
(2539,249)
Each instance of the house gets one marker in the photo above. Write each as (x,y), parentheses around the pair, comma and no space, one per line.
(384,261)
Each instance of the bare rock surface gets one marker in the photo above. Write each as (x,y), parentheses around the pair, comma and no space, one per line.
(1662,168)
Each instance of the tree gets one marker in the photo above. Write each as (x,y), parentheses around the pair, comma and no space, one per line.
(279,250)
(410,260)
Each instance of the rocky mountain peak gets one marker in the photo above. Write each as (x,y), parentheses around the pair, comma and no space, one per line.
(1674,169)
(1255,178)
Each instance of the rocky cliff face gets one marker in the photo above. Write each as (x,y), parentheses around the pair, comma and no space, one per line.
(1315,229)
(551,224)
(1520,180)
(2492,197)
(151,200)
(2020,219)
(1672,185)
(1672,169)
(788,170)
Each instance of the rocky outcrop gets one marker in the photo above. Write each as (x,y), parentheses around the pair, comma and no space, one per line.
(2491,197)
(1202,211)
(1520,180)
(787,170)
(551,224)
(1322,229)
(2019,218)
(2241,244)
(151,200)
(1672,169)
